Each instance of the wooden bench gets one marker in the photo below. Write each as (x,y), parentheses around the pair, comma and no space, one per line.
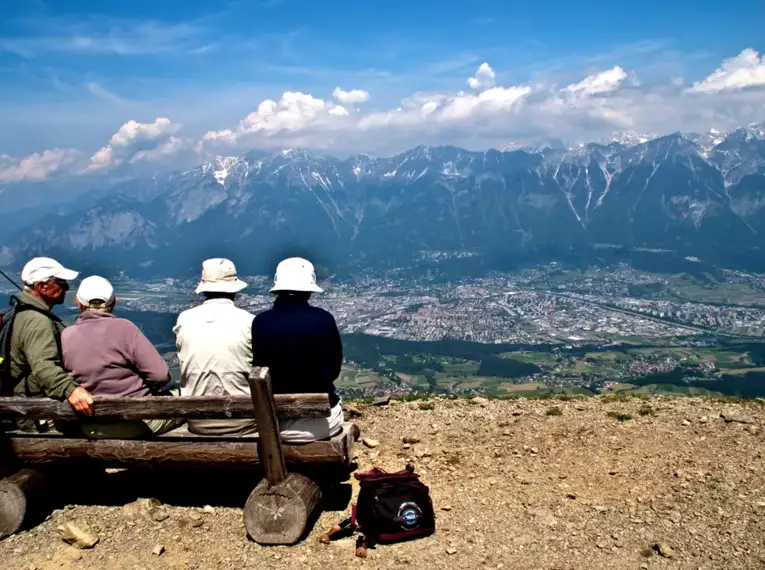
(278,509)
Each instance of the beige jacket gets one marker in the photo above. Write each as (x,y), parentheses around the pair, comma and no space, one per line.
(214,342)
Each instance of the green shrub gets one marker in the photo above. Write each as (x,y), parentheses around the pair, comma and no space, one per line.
(554,411)
(646,410)
(618,416)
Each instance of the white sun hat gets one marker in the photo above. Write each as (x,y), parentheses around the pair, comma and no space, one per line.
(95,288)
(44,268)
(295,274)
(219,276)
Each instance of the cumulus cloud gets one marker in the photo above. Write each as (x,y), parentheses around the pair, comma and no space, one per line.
(129,140)
(484,78)
(352,97)
(747,69)
(604,82)
(37,166)
(483,116)
(293,112)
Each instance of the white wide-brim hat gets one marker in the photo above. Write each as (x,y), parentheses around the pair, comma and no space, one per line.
(219,276)
(295,274)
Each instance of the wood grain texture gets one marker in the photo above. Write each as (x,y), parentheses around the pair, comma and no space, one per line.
(167,449)
(271,453)
(287,406)
(278,513)
(20,494)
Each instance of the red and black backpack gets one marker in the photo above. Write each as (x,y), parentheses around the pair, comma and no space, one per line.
(393,507)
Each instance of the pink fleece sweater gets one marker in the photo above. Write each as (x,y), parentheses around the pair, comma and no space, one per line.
(111,356)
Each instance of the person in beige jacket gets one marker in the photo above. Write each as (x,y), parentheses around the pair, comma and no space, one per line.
(215,346)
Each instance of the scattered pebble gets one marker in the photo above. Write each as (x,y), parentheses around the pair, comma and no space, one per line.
(158,550)
(371,443)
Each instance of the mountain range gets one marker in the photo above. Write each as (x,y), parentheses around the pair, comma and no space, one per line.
(700,195)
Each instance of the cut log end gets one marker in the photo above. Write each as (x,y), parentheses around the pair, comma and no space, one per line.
(279,514)
(21,496)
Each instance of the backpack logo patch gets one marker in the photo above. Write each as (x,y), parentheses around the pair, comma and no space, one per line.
(409,515)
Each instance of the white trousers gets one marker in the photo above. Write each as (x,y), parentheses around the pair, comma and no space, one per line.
(306,431)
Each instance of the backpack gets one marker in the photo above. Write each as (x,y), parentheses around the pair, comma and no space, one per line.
(6,332)
(393,507)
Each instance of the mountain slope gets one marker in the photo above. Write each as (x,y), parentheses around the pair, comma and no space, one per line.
(675,192)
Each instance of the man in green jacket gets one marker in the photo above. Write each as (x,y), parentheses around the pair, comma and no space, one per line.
(36,363)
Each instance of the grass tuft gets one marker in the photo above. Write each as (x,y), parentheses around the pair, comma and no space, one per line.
(618,416)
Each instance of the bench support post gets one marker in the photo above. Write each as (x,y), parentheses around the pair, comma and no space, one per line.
(278,509)
(22,497)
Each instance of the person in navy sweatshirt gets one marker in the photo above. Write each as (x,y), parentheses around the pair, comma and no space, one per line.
(301,346)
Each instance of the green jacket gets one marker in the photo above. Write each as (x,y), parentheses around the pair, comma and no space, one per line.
(37,368)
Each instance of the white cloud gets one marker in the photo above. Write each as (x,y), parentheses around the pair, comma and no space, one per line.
(170,147)
(352,97)
(747,69)
(481,117)
(485,78)
(339,111)
(124,143)
(604,82)
(37,166)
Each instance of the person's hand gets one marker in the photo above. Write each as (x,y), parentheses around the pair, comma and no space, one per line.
(81,401)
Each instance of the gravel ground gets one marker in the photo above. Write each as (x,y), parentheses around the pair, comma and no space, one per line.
(514,483)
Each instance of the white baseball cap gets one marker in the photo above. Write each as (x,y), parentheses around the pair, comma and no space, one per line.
(295,274)
(95,288)
(219,276)
(44,268)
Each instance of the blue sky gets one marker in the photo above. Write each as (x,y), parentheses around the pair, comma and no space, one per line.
(73,73)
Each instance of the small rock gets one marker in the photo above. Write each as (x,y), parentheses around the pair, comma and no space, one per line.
(483,402)
(571,496)
(143,509)
(686,423)
(159,515)
(353,411)
(703,419)
(516,413)
(675,517)
(411,439)
(752,429)
(407,446)
(451,550)
(761,504)
(158,550)
(384,401)
(600,509)
(664,550)
(196,520)
(371,443)
(446,508)
(78,534)
(208,509)
(738,418)
(533,450)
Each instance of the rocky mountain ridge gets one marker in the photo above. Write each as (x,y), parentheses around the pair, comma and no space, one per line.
(696,194)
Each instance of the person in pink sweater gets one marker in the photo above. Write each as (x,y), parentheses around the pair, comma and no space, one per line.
(110,356)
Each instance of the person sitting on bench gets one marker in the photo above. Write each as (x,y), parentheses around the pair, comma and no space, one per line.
(34,351)
(214,346)
(110,356)
(301,346)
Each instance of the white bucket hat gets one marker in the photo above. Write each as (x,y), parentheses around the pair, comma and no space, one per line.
(44,268)
(219,276)
(95,288)
(295,274)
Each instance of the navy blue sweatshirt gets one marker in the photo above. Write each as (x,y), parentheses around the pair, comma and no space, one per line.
(301,346)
